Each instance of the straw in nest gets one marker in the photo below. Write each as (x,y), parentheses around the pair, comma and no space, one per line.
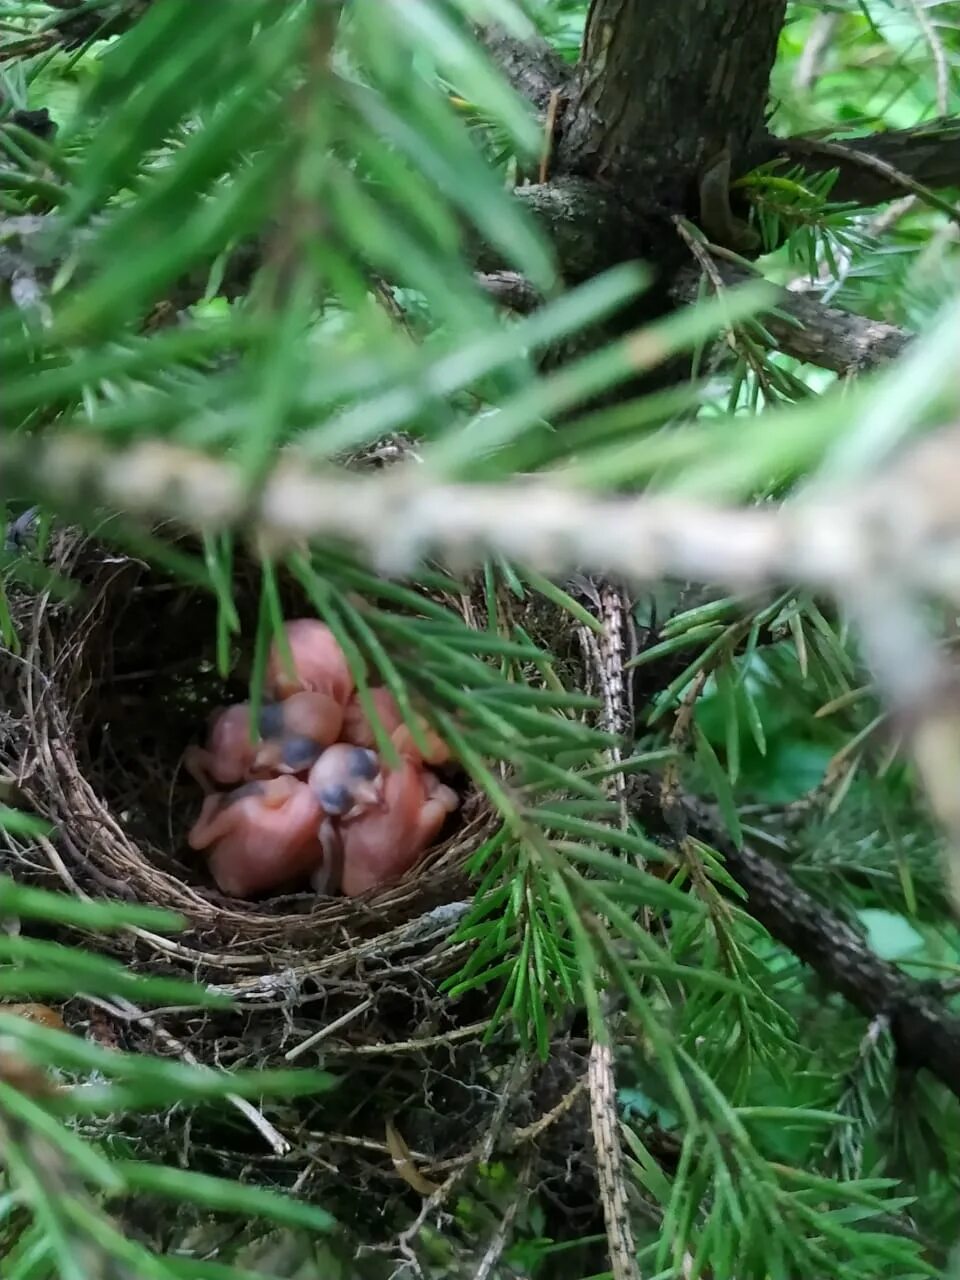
(102,699)
(111,692)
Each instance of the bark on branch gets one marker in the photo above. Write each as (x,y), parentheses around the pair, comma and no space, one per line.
(929,155)
(801,326)
(926,1033)
(804,328)
(661,84)
(532,67)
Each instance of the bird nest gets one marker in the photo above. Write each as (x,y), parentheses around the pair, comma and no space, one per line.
(105,693)
(104,696)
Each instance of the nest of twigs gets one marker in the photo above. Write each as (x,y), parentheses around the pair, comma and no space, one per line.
(104,695)
(103,698)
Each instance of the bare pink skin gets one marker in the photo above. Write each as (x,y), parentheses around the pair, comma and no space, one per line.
(345,781)
(319,664)
(232,755)
(261,839)
(357,728)
(312,717)
(345,784)
(381,844)
(229,754)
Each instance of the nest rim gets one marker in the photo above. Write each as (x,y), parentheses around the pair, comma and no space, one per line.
(92,852)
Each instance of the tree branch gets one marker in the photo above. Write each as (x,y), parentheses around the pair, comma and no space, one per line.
(926,1033)
(591,230)
(664,82)
(902,524)
(928,155)
(532,67)
(807,330)
(589,226)
(801,326)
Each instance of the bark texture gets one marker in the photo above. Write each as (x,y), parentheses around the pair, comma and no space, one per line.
(926,1032)
(662,84)
(929,155)
(804,328)
(532,67)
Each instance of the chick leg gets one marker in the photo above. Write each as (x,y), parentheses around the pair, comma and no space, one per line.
(328,877)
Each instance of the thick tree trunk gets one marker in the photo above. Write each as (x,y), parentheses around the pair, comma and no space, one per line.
(662,84)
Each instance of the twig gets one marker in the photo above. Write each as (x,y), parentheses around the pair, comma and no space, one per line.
(605,1125)
(608,653)
(549,129)
(887,219)
(852,155)
(409,1046)
(936,52)
(510,289)
(921,688)
(328,1030)
(929,153)
(498,1242)
(381,1149)
(808,330)
(530,1132)
(274,1139)
(926,1032)
(906,520)
(810,62)
(480,1155)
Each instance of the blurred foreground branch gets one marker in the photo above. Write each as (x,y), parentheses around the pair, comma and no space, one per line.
(896,533)
(904,523)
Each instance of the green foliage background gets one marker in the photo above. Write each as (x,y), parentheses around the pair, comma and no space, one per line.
(364,170)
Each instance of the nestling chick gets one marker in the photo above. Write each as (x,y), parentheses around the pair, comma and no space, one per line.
(346,779)
(319,664)
(264,835)
(357,728)
(230,751)
(292,735)
(296,732)
(381,844)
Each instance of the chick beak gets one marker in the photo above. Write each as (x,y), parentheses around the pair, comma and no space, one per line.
(285,686)
(268,757)
(369,794)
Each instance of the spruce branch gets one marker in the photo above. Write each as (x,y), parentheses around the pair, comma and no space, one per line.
(926,1033)
(905,522)
(533,67)
(880,166)
(806,329)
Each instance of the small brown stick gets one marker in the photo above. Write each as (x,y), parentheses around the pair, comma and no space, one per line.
(810,62)
(274,1139)
(410,1046)
(501,1236)
(874,164)
(530,1132)
(938,54)
(605,1125)
(549,129)
(480,1155)
(328,1030)
(607,653)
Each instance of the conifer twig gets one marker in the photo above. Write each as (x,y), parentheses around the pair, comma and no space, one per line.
(926,1031)
(904,521)
(605,1127)
(607,654)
